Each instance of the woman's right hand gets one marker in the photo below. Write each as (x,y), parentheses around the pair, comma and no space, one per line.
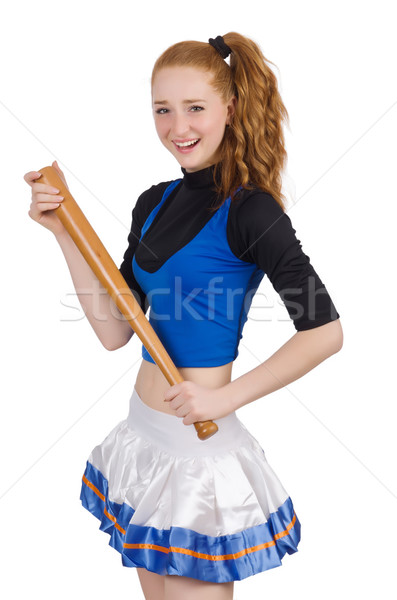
(44,200)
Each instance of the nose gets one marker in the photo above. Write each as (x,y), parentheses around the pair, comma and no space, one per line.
(180,125)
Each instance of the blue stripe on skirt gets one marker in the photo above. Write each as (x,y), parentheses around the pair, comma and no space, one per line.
(180,551)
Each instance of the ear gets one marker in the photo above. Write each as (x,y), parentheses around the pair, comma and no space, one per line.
(231,107)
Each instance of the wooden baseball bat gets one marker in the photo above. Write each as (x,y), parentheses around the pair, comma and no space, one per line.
(101,263)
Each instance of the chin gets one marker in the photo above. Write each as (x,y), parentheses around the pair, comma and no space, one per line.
(193,167)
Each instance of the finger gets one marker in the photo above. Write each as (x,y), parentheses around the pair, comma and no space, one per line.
(55,164)
(57,168)
(182,412)
(44,188)
(180,405)
(46,198)
(36,214)
(40,208)
(31,176)
(170,395)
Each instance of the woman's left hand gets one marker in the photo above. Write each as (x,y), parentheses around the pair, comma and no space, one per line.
(198,403)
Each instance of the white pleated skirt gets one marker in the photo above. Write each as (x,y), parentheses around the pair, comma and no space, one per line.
(209,509)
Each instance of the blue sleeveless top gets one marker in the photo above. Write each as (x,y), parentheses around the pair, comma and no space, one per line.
(200,297)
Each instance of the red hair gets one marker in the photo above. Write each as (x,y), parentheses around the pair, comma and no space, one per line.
(252,152)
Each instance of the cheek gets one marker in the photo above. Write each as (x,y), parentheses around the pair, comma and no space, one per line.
(160,126)
(216,133)
(216,127)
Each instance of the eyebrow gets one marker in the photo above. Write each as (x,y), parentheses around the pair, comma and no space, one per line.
(184,101)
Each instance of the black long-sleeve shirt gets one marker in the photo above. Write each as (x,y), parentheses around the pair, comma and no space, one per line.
(258,231)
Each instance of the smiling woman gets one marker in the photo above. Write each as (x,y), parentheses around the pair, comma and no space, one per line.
(191,132)
(194,516)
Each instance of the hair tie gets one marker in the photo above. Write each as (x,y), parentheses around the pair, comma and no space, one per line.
(219,44)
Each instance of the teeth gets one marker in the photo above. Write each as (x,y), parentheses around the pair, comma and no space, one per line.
(186,143)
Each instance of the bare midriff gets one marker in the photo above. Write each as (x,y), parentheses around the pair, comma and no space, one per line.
(151,385)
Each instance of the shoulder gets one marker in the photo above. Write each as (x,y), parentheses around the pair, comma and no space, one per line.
(259,230)
(255,210)
(256,202)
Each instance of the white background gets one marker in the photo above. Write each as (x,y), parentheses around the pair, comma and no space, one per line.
(74,87)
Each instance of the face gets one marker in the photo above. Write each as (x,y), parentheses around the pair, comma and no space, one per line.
(186,108)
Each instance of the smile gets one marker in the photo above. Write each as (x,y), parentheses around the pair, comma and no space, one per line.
(187,146)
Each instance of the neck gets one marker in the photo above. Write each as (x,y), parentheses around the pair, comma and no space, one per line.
(199,179)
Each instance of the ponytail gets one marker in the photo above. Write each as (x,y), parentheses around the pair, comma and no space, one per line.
(252,152)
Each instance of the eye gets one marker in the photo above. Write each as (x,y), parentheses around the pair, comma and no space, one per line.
(199,107)
(159,111)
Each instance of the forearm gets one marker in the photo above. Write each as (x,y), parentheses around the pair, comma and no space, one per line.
(112,329)
(299,355)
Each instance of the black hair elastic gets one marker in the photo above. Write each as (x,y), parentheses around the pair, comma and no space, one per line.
(219,44)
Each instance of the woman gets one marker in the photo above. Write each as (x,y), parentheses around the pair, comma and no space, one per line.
(194,516)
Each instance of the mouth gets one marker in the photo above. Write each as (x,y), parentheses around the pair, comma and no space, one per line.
(187,146)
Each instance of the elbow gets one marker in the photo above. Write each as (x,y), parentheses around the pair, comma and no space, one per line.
(112,347)
(324,340)
(339,344)
(334,337)
(338,341)
(115,344)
